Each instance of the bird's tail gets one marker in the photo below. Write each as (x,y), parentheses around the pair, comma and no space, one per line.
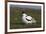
(33,20)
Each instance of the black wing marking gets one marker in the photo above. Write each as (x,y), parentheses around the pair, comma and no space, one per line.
(28,19)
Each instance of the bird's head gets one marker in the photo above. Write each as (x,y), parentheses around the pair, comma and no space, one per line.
(24,14)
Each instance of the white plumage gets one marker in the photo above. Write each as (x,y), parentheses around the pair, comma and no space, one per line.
(27,19)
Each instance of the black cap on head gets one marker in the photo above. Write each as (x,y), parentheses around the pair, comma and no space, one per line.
(23,12)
